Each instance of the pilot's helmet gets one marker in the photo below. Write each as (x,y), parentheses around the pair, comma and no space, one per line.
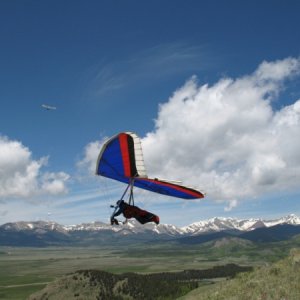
(119,202)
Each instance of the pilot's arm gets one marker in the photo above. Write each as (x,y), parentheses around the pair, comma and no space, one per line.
(116,213)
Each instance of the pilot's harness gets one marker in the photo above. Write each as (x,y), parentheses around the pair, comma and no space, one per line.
(130,202)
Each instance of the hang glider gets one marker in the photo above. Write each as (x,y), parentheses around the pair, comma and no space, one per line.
(48,107)
(121,159)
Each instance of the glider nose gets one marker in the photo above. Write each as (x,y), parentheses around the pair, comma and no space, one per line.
(156,220)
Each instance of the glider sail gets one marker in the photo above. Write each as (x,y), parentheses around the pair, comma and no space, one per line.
(121,158)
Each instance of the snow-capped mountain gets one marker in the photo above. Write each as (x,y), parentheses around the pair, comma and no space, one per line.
(221,224)
(95,226)
(37,226)
(133,227)
(290,219)
(43,233)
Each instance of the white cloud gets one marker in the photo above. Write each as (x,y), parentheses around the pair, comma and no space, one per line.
(226,139)
(91,152)
(278,70)
(231,204)
(54,183)
(21,176)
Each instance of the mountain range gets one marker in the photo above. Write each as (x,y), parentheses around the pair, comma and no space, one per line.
(46,233)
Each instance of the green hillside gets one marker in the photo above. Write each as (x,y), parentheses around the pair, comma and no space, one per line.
(95,284)
(279,281)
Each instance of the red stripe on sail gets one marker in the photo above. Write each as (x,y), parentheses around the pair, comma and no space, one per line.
(125,154)
(186,190)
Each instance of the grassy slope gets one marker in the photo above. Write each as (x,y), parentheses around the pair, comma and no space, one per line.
(280,281)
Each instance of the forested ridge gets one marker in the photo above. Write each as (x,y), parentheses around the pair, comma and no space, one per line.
(96,284)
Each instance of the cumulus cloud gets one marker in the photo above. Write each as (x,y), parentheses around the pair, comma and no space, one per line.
(54,183)
(226,139)
(21,175)
(90,156)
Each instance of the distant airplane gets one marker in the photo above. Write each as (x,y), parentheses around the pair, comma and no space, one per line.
(48,107)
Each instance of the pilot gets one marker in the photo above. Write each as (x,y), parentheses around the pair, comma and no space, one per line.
(131,211)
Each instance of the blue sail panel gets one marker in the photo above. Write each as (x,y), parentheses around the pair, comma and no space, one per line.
(117,159)
(167,188)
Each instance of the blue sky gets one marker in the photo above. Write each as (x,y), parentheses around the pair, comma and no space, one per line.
(112,66)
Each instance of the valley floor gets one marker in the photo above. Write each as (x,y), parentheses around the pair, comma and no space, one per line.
(24,271)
